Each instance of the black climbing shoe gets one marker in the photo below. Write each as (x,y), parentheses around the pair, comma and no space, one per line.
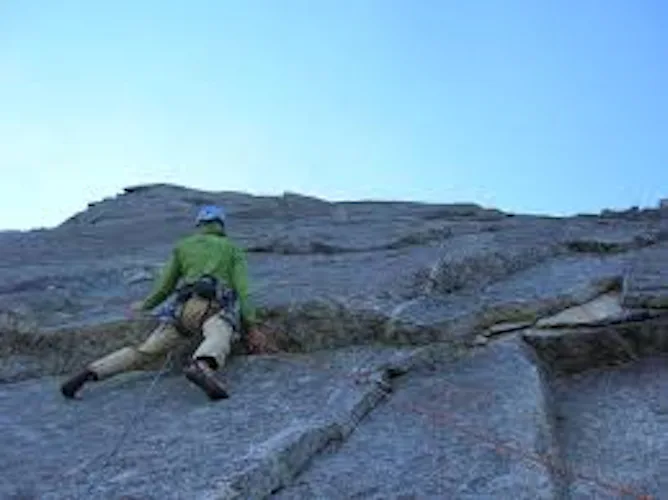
(204,377)
(72,386)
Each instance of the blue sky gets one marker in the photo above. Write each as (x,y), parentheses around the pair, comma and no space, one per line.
(532,106)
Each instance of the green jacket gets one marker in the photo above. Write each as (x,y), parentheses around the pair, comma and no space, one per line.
(211,252)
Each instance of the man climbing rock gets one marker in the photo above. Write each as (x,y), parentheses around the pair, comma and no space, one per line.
(212,301)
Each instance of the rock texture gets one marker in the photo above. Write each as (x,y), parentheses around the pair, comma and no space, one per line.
(613,430)
(428,351)
(284,410)
(646,284)
(476,428)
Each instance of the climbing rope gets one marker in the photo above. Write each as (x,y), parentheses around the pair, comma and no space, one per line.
(130,425)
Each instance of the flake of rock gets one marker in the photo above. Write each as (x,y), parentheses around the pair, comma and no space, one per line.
(604,307)
(480,340)
(505,327)
(572,350)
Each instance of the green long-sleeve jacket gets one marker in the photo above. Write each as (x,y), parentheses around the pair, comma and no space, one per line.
(206,252)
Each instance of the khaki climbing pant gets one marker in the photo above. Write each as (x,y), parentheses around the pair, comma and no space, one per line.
(198,316)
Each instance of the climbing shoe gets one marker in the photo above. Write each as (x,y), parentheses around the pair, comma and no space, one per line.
(204,377)
(72,386)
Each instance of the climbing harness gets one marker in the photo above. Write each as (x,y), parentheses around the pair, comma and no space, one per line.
(217,296)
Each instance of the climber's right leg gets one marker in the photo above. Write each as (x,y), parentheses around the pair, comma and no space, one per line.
(164,338)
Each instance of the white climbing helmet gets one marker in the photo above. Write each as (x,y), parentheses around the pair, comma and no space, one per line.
(210,213)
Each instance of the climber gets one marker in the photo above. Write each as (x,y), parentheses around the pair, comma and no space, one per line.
(212,301)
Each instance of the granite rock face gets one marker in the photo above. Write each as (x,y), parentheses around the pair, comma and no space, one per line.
(428,351)
(156,436)
(646,282)
(466,430)
(613,430)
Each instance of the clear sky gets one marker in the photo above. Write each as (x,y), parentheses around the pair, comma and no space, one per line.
(541,106)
